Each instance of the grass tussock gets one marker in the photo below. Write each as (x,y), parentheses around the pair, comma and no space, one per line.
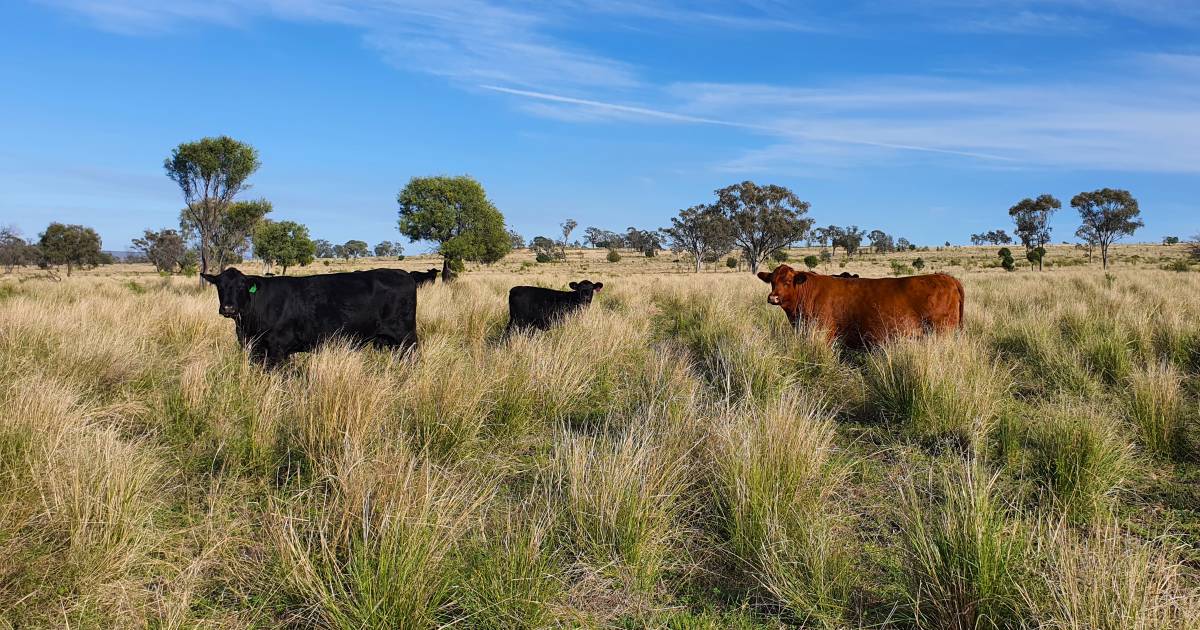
(1157,408)
(1106,579)
(1077,457)
(775,482)
(621,498)
(937,388)
(374,545)
(513,577)
(963,555)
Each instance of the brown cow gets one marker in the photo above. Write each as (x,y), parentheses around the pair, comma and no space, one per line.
(866,311)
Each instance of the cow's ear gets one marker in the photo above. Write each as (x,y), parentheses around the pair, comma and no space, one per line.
(598,286)
(574,286)
(765,276)
(799,278)
(209,277)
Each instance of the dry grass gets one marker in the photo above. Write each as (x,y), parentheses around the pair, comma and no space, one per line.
(676,456)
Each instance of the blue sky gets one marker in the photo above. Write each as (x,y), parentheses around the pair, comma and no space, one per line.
(925,118)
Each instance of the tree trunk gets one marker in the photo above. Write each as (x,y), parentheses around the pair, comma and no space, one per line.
(203,258)
(445,269)
(698,261)
(1103,256)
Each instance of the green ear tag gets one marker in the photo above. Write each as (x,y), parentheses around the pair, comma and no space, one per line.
(254,288)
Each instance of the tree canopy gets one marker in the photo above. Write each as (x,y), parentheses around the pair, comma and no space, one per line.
(850,238)
(165,249)
(15,251)
(455,213)
(354,248)
(75,246)
(763,219)
(701,231)
(210,172)
(991,237)
(1107,215)
(387,249)
(1032,219)
(283,243)
(881,242)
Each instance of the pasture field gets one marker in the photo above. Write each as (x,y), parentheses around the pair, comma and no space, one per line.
(675,457)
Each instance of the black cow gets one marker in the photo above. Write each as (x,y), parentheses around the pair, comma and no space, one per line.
(282,315)
(846,274)
(424,277)
(535,307)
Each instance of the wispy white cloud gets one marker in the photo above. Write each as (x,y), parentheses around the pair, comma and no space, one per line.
(1139,115)
(1044,17)
(784,127)
(514,42)
(466,40)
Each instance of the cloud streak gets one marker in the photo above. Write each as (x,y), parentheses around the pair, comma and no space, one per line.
(1136,115)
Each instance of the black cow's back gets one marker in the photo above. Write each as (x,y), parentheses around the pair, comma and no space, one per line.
(424,277)
(538,307)
(298,313)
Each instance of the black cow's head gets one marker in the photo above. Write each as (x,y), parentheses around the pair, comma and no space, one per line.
(586,289)
(234,289)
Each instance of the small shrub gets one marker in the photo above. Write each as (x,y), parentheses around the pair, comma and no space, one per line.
(1179,264)
(811,262)
(731,262)
(900,269)
(1006,259)
(613,256)
(779,255)
(543,257)
(918,264)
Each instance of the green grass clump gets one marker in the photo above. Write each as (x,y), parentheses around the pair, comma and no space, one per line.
(1077,457)
(936,388)
(1156,407)
(620,498)
(775,482)
(375,549)
(511,579)
(1106,579)
(963,556)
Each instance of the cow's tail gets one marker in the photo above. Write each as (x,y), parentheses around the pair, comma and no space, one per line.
(962,300)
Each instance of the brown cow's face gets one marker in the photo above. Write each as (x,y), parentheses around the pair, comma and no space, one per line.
(785,283)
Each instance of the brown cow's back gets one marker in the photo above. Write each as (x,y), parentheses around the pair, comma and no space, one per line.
(866,311)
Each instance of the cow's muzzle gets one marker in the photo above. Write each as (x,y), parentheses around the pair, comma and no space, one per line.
(773,299)
(228,311)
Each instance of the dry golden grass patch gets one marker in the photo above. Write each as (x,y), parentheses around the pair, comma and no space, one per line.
(676,456)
